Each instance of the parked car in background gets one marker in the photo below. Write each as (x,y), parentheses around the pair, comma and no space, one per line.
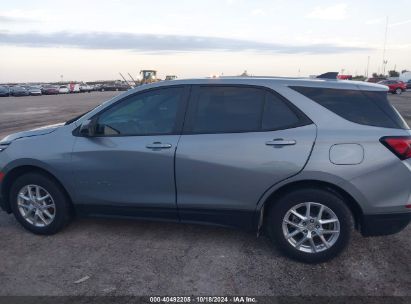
(114,87)
(34,90)
(4,91)
(375,79)
(408,83)
(171,77)
(74,88)
(394,86)
(344,77)
(50,89)
(64,89)
(86,88)
(318,159)
(97,87)
(19,91)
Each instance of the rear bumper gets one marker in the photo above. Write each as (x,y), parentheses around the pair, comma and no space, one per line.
(384,224)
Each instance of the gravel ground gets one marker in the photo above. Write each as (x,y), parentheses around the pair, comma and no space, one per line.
(126,257)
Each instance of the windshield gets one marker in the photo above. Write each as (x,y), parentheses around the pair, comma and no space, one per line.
(70,121)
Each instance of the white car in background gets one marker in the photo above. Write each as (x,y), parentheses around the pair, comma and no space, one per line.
(86,88)
(64,89)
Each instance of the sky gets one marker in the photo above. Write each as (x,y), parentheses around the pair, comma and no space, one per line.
(46,40)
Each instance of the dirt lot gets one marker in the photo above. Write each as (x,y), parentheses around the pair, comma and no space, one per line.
(20,113)
(143,258)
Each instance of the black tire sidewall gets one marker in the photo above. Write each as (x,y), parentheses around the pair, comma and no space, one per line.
(328,198)
(61,202)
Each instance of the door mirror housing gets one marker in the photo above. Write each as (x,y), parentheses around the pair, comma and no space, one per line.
(88,128)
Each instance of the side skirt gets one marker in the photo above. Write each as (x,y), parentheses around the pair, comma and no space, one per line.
(240,219)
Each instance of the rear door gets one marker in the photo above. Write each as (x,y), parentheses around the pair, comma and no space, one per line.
(238,141)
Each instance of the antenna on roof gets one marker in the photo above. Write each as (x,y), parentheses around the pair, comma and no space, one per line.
(328,75)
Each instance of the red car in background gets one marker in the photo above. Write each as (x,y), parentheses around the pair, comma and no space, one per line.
(50,90)
(375,79)
(344,77)
(395,86)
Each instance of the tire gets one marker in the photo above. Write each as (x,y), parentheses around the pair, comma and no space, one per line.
(337,242)
(61,211)
(398,91)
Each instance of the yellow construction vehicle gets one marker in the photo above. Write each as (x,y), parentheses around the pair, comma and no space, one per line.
(148,76)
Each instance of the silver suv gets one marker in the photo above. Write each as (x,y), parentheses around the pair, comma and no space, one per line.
(302,160)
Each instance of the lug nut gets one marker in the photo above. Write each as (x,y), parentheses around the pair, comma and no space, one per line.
(305,231)
(311,221)
(304,223)
(318,226)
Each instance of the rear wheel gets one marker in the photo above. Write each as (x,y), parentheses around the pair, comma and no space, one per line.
(39,204)
(310,225)
(398,91)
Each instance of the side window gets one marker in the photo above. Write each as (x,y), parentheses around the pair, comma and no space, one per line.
(227,109)
(277,115)
(148,113)
(370,108)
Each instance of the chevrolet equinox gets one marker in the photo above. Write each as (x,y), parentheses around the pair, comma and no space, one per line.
(304,161)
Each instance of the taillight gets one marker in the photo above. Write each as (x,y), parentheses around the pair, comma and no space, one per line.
(399,145)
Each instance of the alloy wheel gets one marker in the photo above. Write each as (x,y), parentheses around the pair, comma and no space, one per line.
(36,205)
(311,227)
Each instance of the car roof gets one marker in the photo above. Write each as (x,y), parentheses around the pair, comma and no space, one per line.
(275,81)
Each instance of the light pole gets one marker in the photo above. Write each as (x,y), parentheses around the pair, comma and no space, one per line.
(384,61)
(368,65)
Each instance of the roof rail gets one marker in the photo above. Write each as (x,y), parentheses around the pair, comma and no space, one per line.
(328,75)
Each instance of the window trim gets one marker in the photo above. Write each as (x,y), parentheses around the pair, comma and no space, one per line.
(180,117)
(193,102)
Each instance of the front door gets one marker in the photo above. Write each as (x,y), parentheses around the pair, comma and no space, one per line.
(128,167)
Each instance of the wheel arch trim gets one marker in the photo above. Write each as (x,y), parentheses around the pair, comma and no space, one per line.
(355,200)
(20,167)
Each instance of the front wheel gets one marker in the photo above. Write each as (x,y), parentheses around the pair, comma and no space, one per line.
(398,91)
(39,204)
(310,225)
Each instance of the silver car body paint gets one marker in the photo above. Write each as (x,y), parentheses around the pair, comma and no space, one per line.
(222,171)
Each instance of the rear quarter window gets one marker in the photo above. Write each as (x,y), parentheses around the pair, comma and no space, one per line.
(370,108)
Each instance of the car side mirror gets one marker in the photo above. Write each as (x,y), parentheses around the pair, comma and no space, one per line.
(88,128)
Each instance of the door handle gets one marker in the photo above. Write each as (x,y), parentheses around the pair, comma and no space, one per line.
(280,142)
(158,146)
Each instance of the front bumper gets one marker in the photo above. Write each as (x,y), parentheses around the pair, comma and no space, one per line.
(384,224)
